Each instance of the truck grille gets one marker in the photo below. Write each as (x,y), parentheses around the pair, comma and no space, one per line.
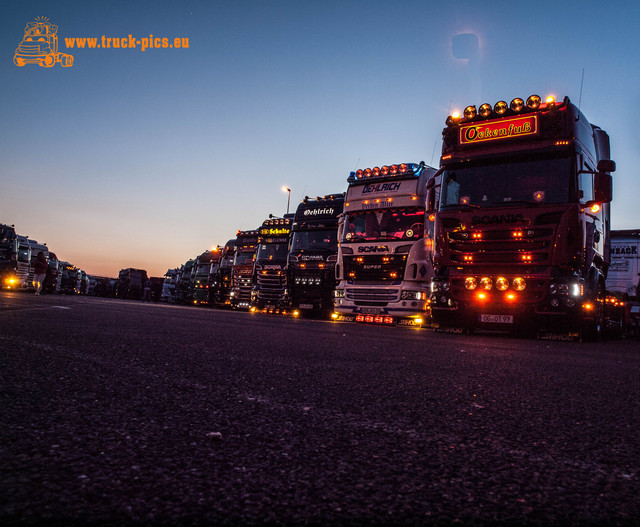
(375,267)
(372,297)
(271,285)
(501,246)
(242,286)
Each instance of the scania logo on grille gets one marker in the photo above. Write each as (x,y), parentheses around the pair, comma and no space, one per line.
(502,218)
(373,249)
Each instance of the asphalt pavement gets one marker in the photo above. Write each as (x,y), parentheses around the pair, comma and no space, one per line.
(128,413)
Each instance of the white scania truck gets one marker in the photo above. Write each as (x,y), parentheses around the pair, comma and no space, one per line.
(384,266)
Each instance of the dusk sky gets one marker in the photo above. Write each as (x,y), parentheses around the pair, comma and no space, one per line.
(145,159)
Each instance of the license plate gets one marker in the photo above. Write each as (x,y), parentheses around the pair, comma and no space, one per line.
(371,311)
(270,306)
(306,306)
(496,319)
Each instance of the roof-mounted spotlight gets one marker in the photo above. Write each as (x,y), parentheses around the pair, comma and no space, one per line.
(500,107)
(484,110)
(517,104)
(533,102)
(551,102)
(470,112)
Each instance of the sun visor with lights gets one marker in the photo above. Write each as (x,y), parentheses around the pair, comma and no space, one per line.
(502,120)
(275,228)
(386,171)
(501,109)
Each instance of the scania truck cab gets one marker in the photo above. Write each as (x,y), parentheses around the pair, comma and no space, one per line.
(522,227)
(384,264)
(313,254)
(242,270)
(270,268)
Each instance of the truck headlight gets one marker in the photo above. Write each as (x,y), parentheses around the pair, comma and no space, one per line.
(413,295)
(439,285)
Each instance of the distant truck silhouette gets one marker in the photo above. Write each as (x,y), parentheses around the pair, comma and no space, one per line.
(40,46)
(131,283)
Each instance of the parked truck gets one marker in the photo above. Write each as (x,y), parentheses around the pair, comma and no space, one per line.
(184,286)
(270,268)
(69,279)
(522,227)
(384,266)
(222,283)
(8,256)
(313,254)
(35,249)
(169,285)
(131,283)
(23,264)
(202,268)
(242,269)
(53,278)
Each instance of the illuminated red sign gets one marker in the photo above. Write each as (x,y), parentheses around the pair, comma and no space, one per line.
(481,132)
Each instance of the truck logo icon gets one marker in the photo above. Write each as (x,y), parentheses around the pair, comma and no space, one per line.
(40,46)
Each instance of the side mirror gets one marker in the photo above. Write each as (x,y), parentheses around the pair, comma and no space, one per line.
(606,165)
(603,184)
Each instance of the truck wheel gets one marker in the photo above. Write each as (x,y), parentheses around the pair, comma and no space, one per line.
(48,61)
(19,61)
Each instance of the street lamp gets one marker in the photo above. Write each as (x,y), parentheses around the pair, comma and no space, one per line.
(288,191)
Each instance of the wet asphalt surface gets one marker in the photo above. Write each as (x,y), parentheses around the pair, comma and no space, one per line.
(124,413)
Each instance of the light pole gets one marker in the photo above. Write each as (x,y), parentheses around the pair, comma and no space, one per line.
(288,191)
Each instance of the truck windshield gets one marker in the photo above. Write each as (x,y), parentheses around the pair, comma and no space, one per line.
(242,258)
(272,252)
(396,224)
(320,240)
(531,181)
(23,254)
(203,269)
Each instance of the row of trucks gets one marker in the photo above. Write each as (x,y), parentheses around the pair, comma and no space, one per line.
(286,265)
(512,231)
(17,258)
